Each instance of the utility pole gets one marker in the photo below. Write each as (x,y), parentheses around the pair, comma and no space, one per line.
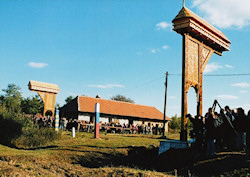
(165,104)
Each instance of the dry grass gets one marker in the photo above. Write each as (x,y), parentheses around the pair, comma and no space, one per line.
(79,156)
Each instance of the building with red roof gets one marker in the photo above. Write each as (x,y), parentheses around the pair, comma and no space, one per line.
(83,108)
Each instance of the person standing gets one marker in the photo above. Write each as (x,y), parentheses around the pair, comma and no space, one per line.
(248,134)
(61,124)
(197,133)
(210,133)
(65,122)
(230,132)
(240,126)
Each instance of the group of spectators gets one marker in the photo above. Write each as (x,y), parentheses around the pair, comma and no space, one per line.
(112,127)
(46,121)
(226,130)
(87,126)
(148,129)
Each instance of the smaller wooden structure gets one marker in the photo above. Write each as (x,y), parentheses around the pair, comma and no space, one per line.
(47,92)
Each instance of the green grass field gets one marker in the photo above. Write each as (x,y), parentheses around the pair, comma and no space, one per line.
(115,155)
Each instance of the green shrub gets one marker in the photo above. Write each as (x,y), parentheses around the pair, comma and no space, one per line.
(36,137)
(18,130)
(11,125)
(175,123)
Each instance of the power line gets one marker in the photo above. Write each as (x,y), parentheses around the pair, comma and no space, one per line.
(145,83)
(208,75)
(174,74)
(226,75)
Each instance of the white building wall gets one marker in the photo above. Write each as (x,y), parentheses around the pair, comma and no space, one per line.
(135,122)
(123,121)
(84,117)
(104,120)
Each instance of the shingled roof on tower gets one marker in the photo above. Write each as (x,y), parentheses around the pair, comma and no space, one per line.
(188,22)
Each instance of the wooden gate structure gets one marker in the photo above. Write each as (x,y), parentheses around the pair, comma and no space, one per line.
(200,41)
(47,92)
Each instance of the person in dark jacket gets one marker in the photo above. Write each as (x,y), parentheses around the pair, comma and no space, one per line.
(210,131)
(197,132)
(230,132)
(248,132)
(240,126)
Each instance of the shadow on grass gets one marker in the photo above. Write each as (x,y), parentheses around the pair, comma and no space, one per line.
(234,164)
(114,159)
(180,160)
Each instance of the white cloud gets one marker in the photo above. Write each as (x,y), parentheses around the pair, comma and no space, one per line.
(163,25)
(165,47)
(107,86)
(228,97)
(241,85)
(225,13)
(212,67)
(172,97)
(243,91)
(155,50)
(37,65)
(228,66)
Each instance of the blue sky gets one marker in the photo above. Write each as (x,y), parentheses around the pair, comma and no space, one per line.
(111,47)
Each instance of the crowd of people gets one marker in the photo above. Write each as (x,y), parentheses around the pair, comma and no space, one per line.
(148,129)
(87,126)
(46,121)
(224,130)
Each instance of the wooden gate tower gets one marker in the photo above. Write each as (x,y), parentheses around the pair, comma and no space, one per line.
(200,41)
(47,92)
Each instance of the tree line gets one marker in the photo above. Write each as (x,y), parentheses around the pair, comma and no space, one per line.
(12,99)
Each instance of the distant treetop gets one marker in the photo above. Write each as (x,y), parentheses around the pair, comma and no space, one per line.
(122,98)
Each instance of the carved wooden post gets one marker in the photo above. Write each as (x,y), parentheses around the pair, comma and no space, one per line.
(200,41)
(184,106)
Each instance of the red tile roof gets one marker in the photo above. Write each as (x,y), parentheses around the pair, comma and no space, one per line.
(111,107)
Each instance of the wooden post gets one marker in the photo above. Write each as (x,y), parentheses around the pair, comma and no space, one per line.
(97,117)
(165,103)
(57,121)
(183,135)
(73,132)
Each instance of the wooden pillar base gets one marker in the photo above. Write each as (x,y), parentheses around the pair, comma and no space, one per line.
(183,135)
